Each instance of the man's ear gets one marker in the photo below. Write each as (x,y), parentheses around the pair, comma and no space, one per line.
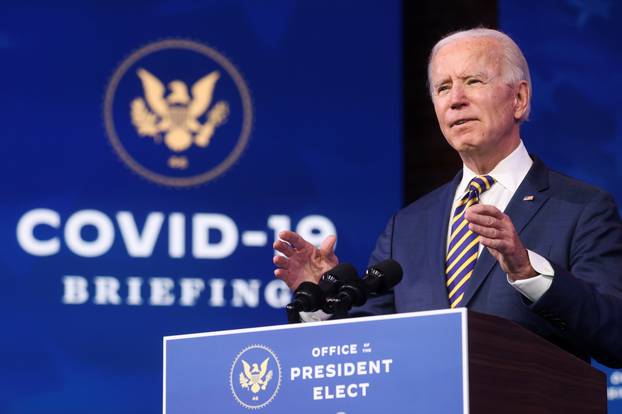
(521,100)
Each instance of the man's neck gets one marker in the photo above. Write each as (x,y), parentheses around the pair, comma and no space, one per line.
(483,163)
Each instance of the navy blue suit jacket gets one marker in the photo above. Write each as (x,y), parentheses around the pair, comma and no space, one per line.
(575,226)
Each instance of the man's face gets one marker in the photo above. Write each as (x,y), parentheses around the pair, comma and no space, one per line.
(473,103)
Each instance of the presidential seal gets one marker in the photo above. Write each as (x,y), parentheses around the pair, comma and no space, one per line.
(255,377)
(178,113)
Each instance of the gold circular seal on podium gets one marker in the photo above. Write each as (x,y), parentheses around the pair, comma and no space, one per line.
(255,377)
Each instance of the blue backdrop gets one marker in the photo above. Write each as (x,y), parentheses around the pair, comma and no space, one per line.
(120,226)
(573,50)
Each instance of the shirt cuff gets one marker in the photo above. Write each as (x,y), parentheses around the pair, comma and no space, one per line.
(534,287)
(316,316)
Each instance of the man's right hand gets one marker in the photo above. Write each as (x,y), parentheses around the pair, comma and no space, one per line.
(303,262)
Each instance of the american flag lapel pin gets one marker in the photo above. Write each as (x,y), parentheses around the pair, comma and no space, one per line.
(528,198)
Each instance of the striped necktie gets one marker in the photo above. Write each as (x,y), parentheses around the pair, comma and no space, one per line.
(463,243)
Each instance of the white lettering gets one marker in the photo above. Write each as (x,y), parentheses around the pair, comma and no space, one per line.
(347,349)
(161,291)
(245,293)
(315,229)
(317,393)
(327,393)
(361,368)
(217,288)
(277,294)
(352,391)
(340,391)
(75,290)
(374,367)
(106,291)
(214,236)
(387,364)
(139,245)
(176,235)
(202,248)
(134,296)
(190,291)
(81,247)
(26,227)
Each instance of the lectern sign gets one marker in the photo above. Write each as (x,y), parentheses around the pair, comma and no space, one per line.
(362,365)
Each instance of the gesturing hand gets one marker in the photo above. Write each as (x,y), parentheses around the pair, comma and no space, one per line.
(302,262)
(498,234)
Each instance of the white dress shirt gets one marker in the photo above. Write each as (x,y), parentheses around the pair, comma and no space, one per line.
(509,174)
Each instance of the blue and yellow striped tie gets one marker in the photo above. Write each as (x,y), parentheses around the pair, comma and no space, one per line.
(463,243)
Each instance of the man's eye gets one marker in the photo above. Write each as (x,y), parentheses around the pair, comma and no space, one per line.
(442,88)
(473,81)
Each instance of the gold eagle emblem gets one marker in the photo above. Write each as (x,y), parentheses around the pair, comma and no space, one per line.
(176,117)
(253,376)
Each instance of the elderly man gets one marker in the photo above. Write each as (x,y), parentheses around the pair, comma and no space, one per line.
(507,236)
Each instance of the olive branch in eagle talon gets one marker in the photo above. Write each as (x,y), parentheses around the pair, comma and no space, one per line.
(253,377)
(177,116)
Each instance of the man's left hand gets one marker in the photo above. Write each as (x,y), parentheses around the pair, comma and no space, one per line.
(498,234)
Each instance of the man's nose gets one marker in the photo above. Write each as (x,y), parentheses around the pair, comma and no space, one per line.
(458,97)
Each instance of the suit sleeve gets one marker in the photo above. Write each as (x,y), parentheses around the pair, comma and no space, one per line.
(380,304)
(585,301)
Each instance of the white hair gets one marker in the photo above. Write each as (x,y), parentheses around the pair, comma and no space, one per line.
(515,68)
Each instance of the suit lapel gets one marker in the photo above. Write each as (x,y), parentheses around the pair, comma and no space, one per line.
(437,221)
(527,200)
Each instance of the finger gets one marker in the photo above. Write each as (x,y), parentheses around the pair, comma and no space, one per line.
(484,231)
(281,262)
(483,219)
(486,242)
(293,239)
(280,273)
(484,214)
(283,247)
(328,245)
(496,244)
(486,210)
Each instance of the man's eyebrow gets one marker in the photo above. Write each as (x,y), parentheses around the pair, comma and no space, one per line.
(474,75)
(440,82)
(464,76)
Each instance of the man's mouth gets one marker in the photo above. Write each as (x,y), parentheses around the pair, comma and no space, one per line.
(461,122)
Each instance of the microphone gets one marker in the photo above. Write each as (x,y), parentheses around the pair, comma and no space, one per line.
(310,297)
(331,281)
(383,276)
(378,278)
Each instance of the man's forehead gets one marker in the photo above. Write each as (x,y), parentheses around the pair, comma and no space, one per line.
(467,57)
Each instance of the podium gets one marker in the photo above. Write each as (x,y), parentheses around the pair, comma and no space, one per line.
(446,362)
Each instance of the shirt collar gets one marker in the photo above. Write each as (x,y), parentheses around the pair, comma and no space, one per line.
(508,173)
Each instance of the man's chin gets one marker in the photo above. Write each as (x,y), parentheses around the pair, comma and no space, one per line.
(465,144)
